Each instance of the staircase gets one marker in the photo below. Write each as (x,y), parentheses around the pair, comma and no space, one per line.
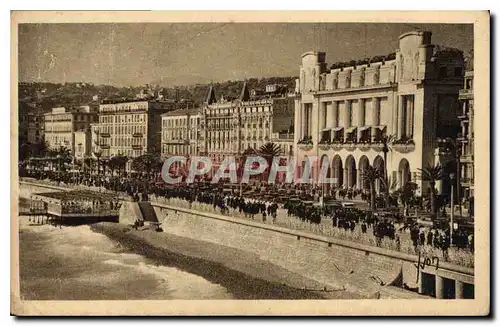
(147,211)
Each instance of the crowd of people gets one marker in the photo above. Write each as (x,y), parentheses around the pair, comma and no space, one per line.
(83,206)
(254,206)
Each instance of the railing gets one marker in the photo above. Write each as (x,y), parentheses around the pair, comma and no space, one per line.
(466,158)
(285,137)
(465,92)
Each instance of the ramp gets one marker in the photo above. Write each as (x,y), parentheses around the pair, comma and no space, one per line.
(130,212)
(147,211)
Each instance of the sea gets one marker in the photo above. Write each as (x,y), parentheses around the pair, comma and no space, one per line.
(75,263)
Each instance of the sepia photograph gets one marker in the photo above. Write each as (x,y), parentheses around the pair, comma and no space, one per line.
(296,164)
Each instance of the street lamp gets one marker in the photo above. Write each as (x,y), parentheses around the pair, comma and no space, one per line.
(452,206)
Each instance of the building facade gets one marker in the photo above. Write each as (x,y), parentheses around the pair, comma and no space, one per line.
(467,133)
(231,127)
(131,128)
(180,130)
(61,124)
(285,141)
(343,113)
(31,124)
(83,144)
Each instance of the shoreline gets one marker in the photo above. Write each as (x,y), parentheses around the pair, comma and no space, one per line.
(244,274)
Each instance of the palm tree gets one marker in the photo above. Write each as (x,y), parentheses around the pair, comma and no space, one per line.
(97,155)
(432,173)
(87,163)
(386,141)
(406,195)
(269,151)
(390,184)
(370,176)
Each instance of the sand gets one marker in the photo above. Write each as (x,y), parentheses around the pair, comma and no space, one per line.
(243,273)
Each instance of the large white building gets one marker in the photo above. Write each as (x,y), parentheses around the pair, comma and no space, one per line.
(180,130)
(343,111)
(62,123)
(231,127)
(130,128)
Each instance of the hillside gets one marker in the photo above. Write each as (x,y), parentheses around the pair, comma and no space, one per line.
(49,95)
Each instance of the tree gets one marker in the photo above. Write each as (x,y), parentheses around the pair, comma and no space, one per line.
(431,174)
(406,195)
(40,149)
(386,141)
(24,150)
(370,175)
(87,163)
(63,156)
(269,151)
(148,162)
(392,186)
(118,162)
(97,155)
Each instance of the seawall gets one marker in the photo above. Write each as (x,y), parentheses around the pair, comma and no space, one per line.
(244,274)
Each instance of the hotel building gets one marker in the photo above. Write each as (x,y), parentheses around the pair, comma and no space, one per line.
(61,124)
(343,111)
(467,133)
(231,127)
(130,128)
(180,130)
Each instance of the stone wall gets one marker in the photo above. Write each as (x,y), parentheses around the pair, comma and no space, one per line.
(357,270)
(26,189)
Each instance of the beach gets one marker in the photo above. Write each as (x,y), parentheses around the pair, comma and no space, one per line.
(109,261)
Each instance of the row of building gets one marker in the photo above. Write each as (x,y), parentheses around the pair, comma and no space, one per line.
(342,112)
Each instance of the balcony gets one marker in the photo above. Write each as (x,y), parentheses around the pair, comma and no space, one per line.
(465,93)
(137,135)
(467,158)
(364,145)
(403,145)
(305,144)
(377,146)
(137,147)
(467,182)
(337,143)
(350,145)
(324,145)
(104,146)
(105,135)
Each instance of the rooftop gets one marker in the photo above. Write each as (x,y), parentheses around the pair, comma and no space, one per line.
(181,112)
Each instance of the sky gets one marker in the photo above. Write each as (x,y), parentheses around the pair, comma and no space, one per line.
(168,54)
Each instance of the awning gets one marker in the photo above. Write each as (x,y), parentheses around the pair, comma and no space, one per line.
(326,129)
(338,128)
(381,127)
(364,128)
(351,129)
